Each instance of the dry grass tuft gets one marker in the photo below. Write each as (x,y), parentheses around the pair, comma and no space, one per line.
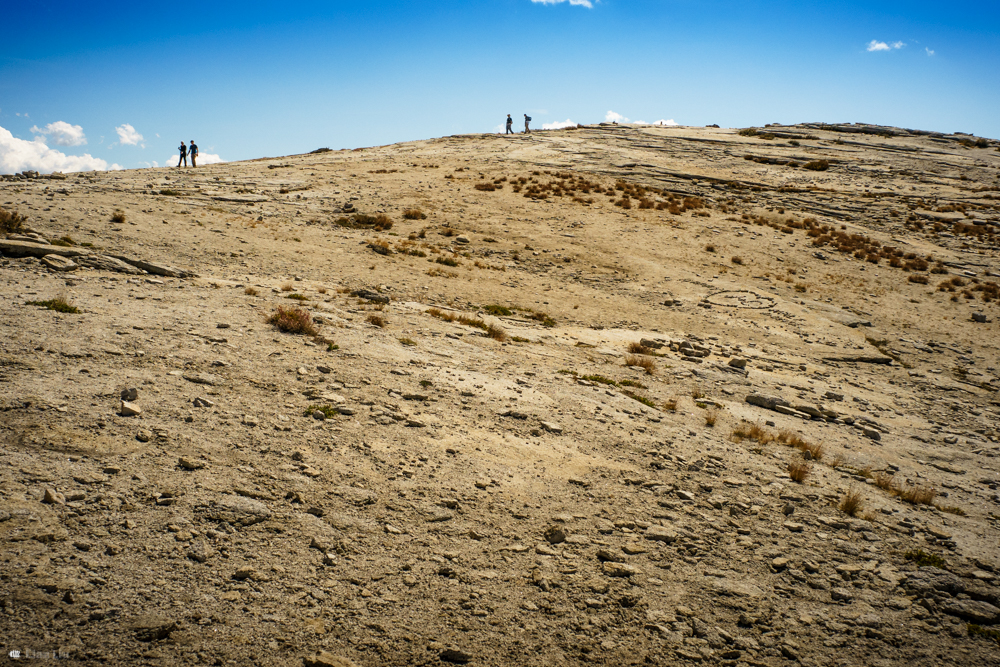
(118,216)
(670,404)
(751,431)
(641,362)
(798,470)
(711,417)
(736,260)
(915,495)
(852,502)
(377,320)
(251,291)
(287,287)
(639,348)
(414,214)
(11,222)
(293,320)
(497,333)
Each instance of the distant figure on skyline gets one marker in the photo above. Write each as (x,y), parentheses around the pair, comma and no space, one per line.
(193,152)
(184,155)
(510,124)
(527,119)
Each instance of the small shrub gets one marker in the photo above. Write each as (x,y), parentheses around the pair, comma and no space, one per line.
(328,411)
(118,216)
(670,404)
(711,417)
(924,559)
(919,280)
(287,287)
(751,431)
(487,187)
(297,297)
(11,222)
(641,362)
(978,631)
(293,320)
(817,165)
(407,341)
(632,383)
(697,393)
(737,260)
(952,509)
(426,383)
(600,379)
(330,347)
(638,397)
(447,261)
(497,311)
(377,320)
(798,470)
(710,248)
(59,304)
(851,503)
(414,214)
(250,291)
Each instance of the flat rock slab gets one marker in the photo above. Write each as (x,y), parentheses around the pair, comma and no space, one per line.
(59,263)
(203,378)
(108,263)
(29,249)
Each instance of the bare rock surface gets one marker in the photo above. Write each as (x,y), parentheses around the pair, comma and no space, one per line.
(611,395)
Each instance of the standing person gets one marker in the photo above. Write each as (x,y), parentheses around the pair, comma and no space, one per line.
(184,155)
(193,152)
(527,119)
(510,125)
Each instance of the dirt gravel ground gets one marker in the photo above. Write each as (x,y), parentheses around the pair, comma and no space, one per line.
(549,414)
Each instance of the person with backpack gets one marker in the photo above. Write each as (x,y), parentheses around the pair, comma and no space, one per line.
(527,119)
(510,125)
(193,152)
(184,152)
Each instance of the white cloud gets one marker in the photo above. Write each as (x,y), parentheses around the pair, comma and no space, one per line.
(20,155)
(203,158)
(612,117)
(62,133)
(876,45)
(558,125)
(582,3)
(929,52)
(127,135)
(666,122)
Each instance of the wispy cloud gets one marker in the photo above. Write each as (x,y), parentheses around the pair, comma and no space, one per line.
(558,125)
(876,45)
(62,133)
(582,3)
(19,154)
(929,51)
(127,136)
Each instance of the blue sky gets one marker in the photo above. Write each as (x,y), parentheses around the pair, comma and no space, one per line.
(253,79)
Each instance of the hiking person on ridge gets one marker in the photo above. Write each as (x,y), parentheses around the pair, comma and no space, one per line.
(510,124)
(184,152)
(193,152)
(527,119)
